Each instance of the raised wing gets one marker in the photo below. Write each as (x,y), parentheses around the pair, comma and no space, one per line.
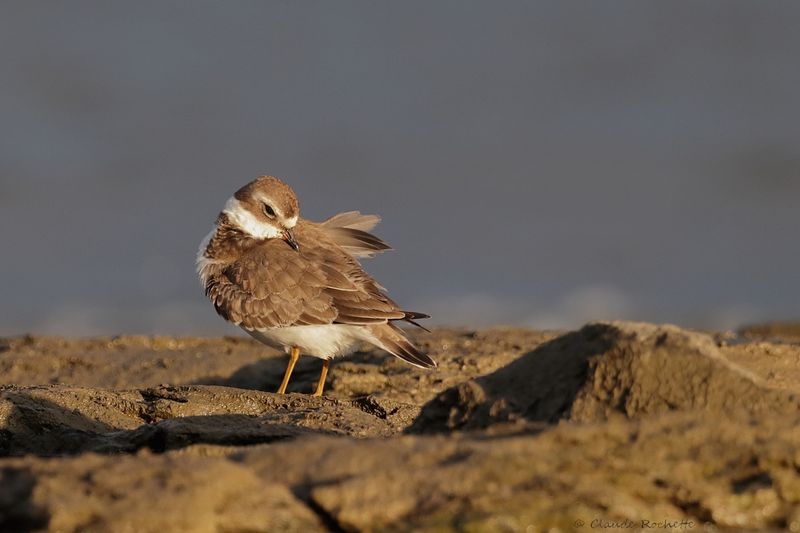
(350,231)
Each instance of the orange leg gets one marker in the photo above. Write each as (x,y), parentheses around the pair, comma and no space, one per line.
(322,376)
(294,355)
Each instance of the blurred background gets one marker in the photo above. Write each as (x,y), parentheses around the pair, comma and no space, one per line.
(535,163)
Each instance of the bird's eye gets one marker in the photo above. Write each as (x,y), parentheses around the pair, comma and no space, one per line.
(269,211)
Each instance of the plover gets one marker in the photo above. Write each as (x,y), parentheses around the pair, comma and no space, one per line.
(297,285)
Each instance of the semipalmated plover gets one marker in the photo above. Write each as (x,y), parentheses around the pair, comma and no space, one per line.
(296,284)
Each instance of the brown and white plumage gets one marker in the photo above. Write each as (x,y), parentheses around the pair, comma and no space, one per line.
(293,283)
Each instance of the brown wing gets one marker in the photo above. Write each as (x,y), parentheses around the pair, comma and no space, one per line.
(350,231)
(272,286)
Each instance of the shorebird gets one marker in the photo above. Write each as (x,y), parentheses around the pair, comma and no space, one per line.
(297,285)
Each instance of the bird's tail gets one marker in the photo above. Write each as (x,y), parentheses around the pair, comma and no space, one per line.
(412,317)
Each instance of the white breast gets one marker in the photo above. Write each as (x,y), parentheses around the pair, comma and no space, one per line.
(326,341)
(202,262)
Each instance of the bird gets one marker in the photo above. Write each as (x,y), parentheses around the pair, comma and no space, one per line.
(298,285)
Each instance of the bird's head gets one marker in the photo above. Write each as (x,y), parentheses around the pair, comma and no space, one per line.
(265,208)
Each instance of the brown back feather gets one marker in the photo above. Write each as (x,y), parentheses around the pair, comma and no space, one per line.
(270,285)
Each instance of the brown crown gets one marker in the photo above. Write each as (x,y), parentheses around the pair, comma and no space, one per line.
(282,196)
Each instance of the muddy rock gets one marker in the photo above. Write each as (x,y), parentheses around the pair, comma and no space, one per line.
(774,331)
(145,493)
(618,423)
(700,469)
(135,362)
(606,370)
(55,420)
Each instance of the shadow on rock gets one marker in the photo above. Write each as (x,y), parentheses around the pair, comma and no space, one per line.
(266,374)
(34,424)
(17,510)
(540,386)
(57,420)
(220,430)
(606,369)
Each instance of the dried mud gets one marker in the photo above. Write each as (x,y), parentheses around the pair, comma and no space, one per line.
(618,425)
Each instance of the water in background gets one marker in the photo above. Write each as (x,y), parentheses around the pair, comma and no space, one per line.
(537,163)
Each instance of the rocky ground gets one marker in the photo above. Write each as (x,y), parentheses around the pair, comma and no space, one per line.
(617,426)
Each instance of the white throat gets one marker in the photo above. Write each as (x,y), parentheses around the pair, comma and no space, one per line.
(245,221)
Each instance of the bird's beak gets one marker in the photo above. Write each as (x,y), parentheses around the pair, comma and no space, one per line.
(288,236)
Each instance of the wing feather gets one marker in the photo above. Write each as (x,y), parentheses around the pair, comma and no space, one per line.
(350,231)
(353,220)
(272,286)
